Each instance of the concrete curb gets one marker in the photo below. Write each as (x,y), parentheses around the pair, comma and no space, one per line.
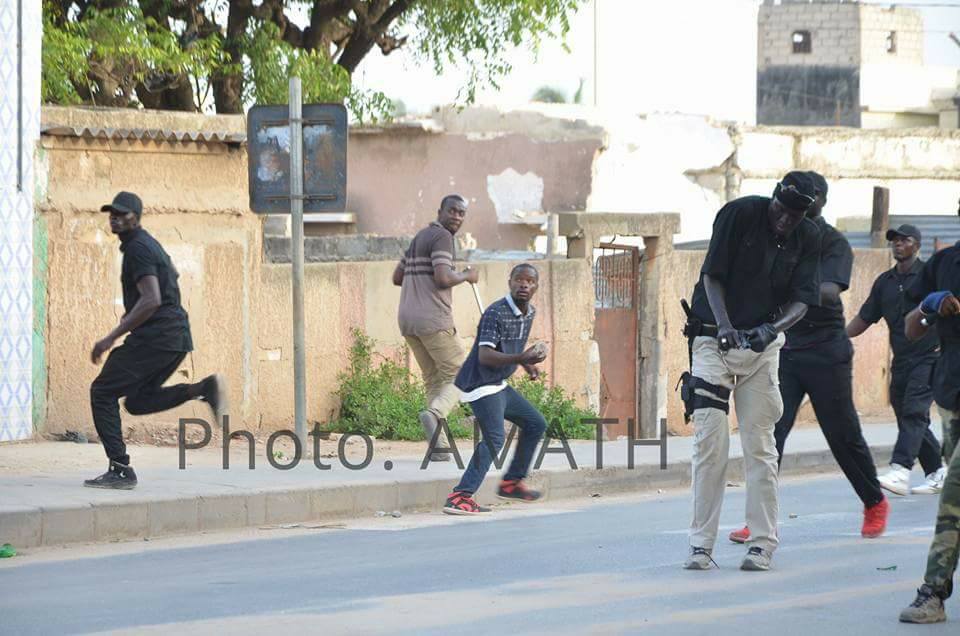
(28,527)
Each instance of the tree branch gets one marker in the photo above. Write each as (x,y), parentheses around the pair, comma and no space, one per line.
(368,32)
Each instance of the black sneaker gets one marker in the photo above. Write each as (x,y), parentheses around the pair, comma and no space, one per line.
(214,393)
(514,490)
(118,477)
(462,503)
(926,608)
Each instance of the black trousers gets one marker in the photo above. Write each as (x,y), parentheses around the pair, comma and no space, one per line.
(911,397)
(136,372)
(825,372)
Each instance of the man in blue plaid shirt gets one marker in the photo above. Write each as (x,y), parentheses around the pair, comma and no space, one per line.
(499,348)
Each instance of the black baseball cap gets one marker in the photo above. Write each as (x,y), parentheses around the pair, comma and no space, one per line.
(796,190)
(819,182)
(124,203)
(904,230)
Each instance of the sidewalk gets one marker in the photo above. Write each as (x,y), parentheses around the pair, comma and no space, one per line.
(43,502)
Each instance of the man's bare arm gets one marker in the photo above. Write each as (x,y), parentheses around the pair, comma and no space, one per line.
(445,276)
(398,275)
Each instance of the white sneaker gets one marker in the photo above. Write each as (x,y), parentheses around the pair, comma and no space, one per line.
(896,480)
(934,483)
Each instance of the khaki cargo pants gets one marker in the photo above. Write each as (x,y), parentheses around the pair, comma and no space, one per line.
(944,551)
(439,356)
(753,381)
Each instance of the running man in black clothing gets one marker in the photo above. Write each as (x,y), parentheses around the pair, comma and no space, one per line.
(159,340)
(910,392)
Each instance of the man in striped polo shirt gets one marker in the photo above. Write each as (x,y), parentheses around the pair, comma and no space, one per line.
(427,278)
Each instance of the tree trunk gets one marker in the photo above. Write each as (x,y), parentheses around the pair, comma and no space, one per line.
(178,96)
(228,89)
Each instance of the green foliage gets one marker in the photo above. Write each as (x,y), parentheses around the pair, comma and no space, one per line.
(549,95)
(557,408)
(578,95)
(380,398)
(383,399)
(273,62)
(480,32)
(109,52)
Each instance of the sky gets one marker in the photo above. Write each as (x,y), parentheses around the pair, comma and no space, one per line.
(645,46)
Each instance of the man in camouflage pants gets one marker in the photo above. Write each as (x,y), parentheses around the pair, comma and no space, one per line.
(939,289)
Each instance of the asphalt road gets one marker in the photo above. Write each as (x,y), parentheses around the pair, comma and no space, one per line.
(600,565)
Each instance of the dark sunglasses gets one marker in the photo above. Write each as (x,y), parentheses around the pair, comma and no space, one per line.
(792,189)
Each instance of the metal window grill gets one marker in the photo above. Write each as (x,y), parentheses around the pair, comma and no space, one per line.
(615,273)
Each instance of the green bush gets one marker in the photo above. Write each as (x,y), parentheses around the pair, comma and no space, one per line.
(382,399)
(557,408)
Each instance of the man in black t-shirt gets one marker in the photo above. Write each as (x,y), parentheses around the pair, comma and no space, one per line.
(758,277)
(910,392)
(817,360)
(159,341)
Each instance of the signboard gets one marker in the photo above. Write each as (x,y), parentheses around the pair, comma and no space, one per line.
(324,158)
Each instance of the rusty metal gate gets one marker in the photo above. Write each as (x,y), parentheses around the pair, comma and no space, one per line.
(616,272)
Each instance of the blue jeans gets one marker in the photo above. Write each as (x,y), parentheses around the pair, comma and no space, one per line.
(490,412)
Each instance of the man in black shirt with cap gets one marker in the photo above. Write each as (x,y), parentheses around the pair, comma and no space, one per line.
(817,360)
(159,341)
(758,277)
(910,391)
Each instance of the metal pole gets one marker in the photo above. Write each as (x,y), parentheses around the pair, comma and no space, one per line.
(880,218)
(296,256)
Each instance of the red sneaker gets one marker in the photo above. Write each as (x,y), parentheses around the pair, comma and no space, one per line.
(514,490)
(462,503)
(875,519)
(740,536)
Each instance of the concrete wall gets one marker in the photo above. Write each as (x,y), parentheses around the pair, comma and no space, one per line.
(834,29)
(849,68)
(872,351)
(820,87)
(877,22)
(239,306)
(920,167)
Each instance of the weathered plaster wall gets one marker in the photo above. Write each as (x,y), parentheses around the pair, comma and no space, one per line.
(239,306)
(396,182)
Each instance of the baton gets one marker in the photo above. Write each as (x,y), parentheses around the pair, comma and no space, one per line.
(476,295)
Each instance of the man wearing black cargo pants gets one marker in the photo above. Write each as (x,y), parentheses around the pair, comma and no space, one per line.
(911,393)
(159,340)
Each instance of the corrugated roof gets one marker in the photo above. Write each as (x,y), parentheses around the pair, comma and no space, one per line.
(942,228)
(151,134)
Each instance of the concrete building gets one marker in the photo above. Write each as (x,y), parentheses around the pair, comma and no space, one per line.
(834,62)
(20,35)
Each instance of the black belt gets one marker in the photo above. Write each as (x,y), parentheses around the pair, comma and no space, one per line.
(710,331)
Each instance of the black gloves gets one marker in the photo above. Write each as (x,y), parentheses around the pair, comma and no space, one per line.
(760,337)
(731,339)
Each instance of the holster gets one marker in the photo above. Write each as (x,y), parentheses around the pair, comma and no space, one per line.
(689,383)
(692,400)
